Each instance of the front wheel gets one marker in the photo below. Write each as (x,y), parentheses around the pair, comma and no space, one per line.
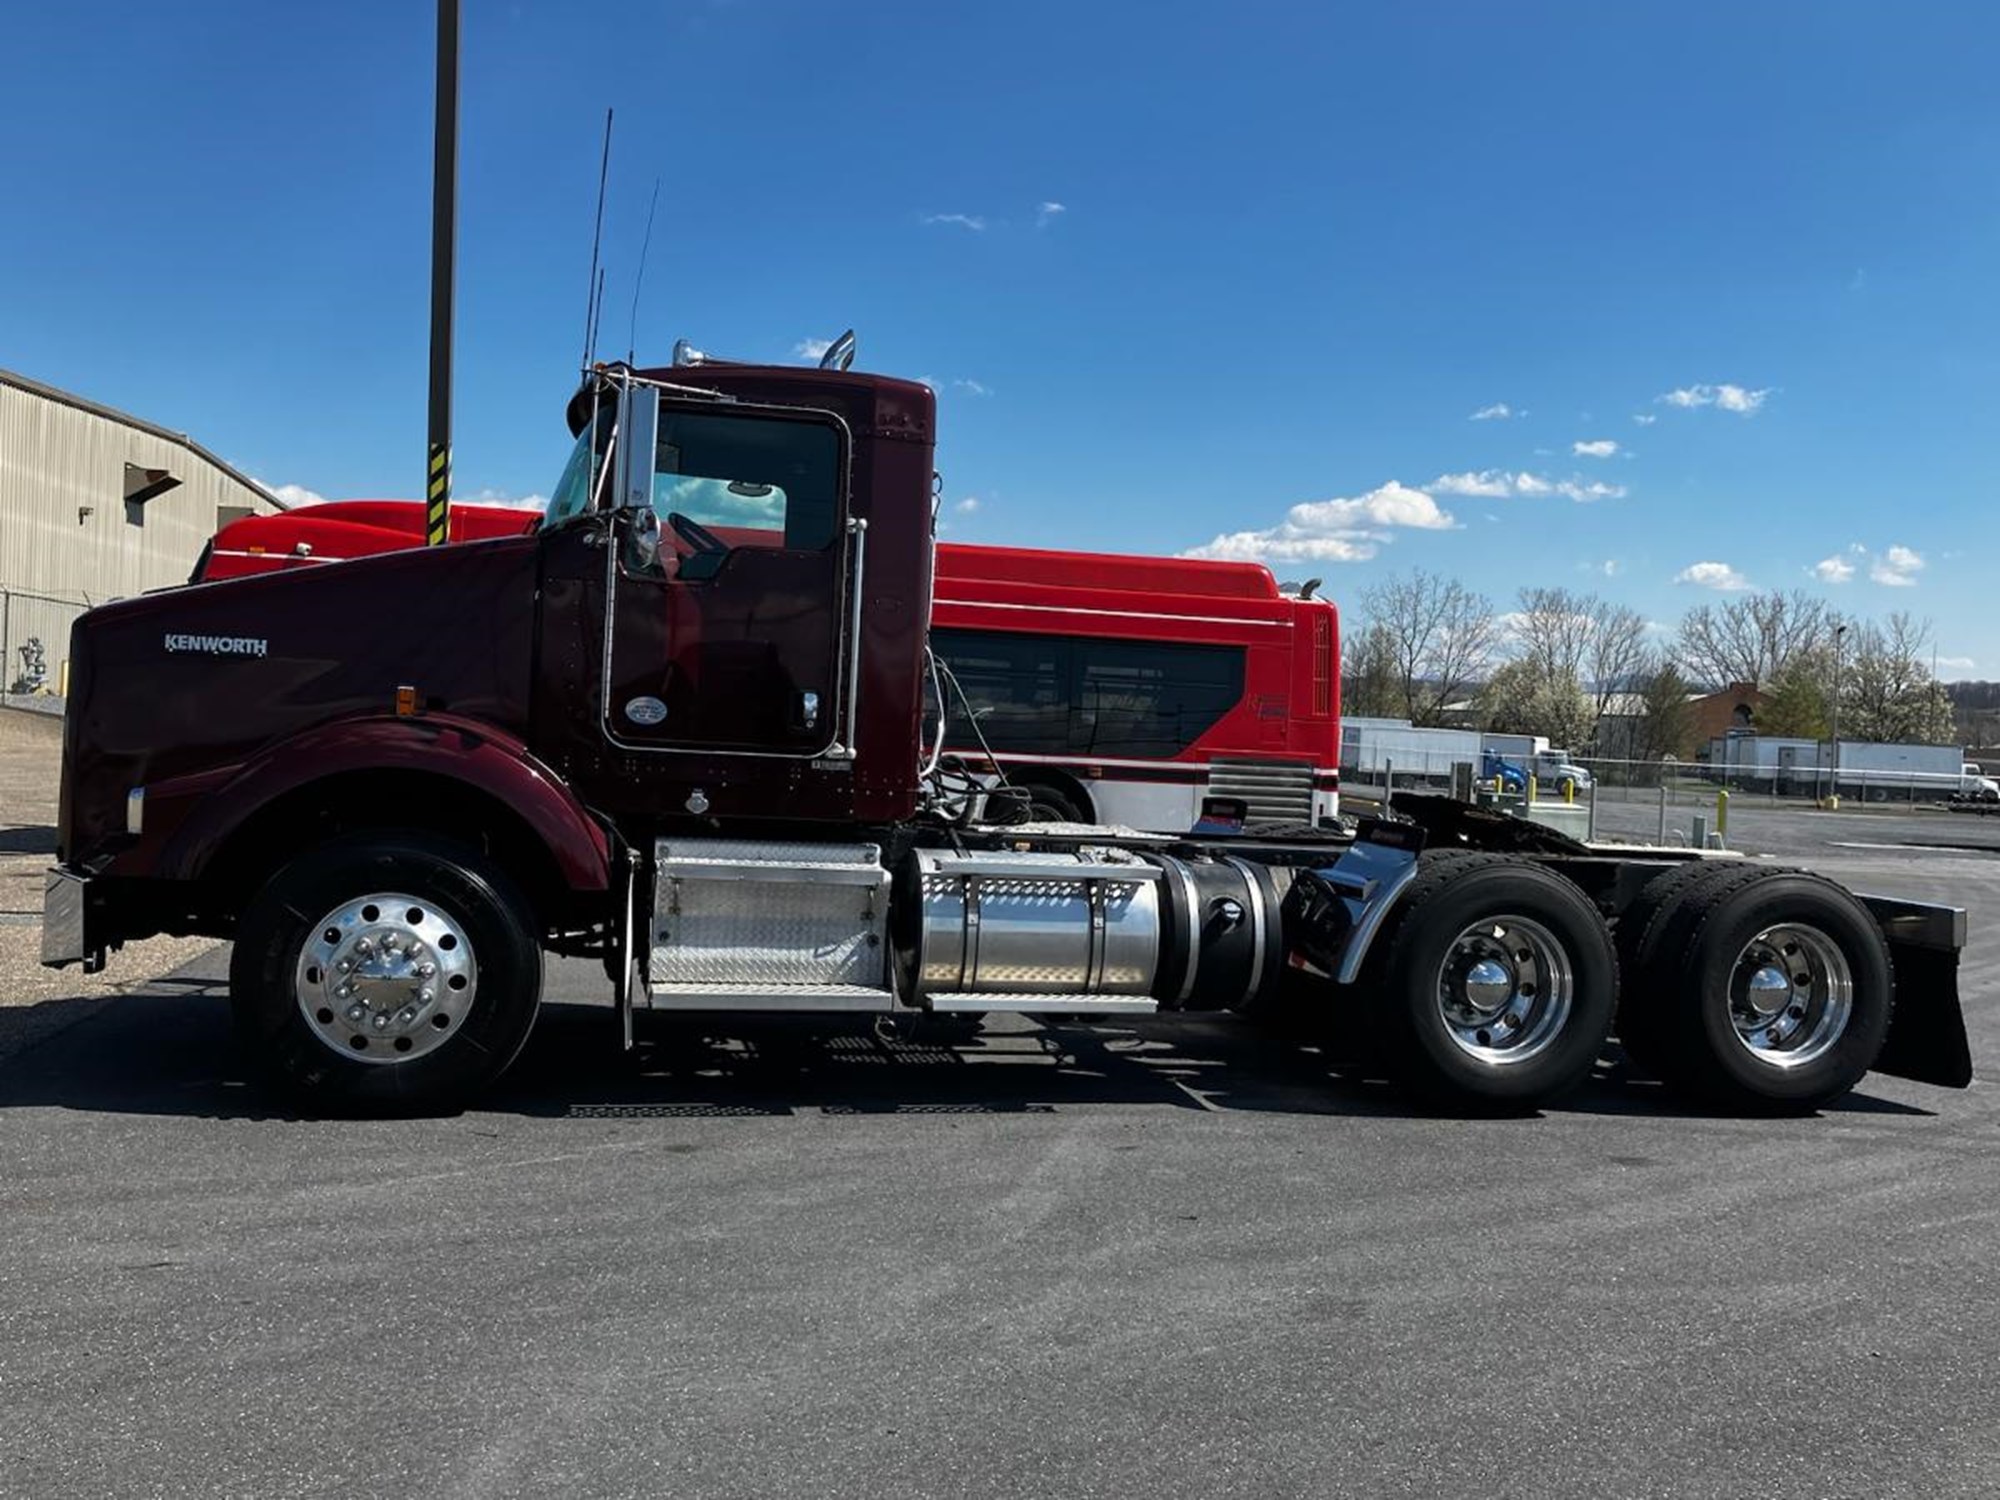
(386,974)
(1497,986)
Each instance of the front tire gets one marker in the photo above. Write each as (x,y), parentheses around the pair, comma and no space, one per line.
(386,974)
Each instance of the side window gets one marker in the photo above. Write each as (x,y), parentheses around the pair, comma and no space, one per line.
(1151,698)
(1079,695)
(748,481)
(1017,686)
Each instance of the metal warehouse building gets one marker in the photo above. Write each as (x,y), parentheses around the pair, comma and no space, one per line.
(95,505)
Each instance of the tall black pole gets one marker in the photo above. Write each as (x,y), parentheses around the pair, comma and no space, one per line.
(444,227)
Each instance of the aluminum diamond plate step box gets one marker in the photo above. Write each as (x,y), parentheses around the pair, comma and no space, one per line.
(789,916)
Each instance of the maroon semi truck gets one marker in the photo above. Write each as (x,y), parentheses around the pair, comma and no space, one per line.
(688,725)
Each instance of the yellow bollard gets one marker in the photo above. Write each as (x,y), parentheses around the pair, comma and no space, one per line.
(1569,790)
(1722,816)
(1531,789)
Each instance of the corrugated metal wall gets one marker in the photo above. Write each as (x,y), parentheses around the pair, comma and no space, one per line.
(66,540)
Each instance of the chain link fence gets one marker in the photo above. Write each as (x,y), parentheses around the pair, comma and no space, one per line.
(34,646)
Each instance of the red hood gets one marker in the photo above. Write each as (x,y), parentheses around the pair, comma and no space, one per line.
(342,529)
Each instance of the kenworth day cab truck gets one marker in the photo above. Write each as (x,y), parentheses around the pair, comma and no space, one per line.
(705,760)
(1109,689)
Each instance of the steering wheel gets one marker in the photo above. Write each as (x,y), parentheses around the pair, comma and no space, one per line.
(695,534)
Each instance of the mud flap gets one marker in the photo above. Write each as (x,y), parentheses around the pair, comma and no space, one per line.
(1927,1040)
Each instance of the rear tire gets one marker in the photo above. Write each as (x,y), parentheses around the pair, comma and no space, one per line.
(1495,989)
(1765,989)
(349,1004)
(1052,804)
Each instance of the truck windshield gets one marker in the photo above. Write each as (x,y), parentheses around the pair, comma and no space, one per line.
(579,478)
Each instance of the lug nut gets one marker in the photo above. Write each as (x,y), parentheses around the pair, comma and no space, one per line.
(390,945)
(357,1013)
(381,1021)
(365,947)
(344,991)
(426,995)
(425,971)
(345,966)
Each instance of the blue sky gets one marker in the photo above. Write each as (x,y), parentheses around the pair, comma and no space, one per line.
(1298,249)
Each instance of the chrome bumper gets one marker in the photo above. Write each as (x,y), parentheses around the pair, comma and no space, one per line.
(63,938)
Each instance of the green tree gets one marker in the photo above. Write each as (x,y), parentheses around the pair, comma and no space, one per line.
(1798,703)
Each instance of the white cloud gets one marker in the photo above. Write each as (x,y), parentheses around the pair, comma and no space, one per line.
(1495,484)
(974,222)
(1955,664)
(811,348)
(1594,448)
(1898,568)
(1834,569)
(501,497)
(973,387)
(1046,212)
(291,496)
(1342,530)
(1736,398)
(967,506)
(1611,566)
(1499,411)
(1713,575)
(1645,418)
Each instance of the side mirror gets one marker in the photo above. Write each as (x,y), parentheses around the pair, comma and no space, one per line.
(641,548)
(637,436)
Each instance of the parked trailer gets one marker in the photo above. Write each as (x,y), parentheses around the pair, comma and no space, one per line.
(1867,771)
(1369,746)
(678,726)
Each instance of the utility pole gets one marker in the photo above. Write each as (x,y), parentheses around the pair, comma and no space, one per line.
(444,227)
(1839,641)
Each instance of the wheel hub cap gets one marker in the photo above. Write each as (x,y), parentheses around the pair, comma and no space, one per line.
(386,978)
(1790,996)
(1505,990)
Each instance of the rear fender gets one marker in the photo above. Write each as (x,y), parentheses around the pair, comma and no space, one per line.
(1332,915)
(442,745)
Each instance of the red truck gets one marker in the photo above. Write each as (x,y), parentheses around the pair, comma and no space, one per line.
(679,724)
(1110,689)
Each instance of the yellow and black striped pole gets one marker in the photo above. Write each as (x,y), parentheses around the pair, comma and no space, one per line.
(444,225)
(437,507)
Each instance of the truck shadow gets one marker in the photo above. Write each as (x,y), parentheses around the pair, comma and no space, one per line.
(167,1052)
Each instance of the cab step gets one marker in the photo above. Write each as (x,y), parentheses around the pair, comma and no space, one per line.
(1043,1005)
(709,995)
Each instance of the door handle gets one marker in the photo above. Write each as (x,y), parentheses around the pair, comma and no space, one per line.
(807,708)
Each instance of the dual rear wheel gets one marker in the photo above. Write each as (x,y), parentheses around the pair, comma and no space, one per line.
(1498,983)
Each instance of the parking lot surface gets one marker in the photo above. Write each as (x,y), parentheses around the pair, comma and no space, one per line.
(1151,1259)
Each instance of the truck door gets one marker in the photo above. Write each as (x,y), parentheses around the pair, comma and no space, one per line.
(726,582)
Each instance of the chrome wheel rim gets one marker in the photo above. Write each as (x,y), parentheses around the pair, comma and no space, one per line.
(386,978)
(1505,990)
(1791,994)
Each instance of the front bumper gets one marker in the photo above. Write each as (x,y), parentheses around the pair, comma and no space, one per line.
(65,922)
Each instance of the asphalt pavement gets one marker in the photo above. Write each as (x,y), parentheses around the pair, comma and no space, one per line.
(765,1260)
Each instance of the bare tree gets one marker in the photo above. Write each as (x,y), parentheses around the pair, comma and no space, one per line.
(1581,638)
(1887,692)
(1369,686)
(1440,636)
(1617,653)
(1752,637)
(1555,628)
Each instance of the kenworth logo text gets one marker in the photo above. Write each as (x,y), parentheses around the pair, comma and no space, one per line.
(220,645)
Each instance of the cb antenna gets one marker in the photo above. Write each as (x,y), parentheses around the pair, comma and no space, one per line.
(639,279)
(593,287)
